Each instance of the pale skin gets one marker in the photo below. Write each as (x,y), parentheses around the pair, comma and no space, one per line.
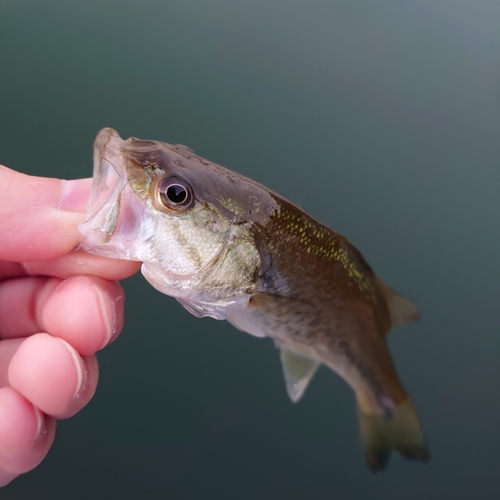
(57,309)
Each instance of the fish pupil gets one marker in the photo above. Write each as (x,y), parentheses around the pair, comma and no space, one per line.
(176,193)
(173,193)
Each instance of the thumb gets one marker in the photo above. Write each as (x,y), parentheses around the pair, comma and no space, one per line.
(39,216)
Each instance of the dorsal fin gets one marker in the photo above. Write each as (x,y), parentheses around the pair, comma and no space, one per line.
(402,311)
(297,371)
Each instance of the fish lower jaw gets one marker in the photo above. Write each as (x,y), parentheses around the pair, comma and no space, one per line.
(200,303)
(171,284)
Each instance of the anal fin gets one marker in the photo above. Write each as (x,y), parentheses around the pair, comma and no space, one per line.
(297,371)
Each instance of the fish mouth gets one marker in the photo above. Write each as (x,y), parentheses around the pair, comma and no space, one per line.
(114,212)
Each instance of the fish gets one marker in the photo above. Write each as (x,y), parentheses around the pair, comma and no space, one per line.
(226,247)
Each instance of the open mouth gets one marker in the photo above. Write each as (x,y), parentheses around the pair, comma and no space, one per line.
(113,214)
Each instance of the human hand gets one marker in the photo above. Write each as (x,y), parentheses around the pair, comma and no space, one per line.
(57,308)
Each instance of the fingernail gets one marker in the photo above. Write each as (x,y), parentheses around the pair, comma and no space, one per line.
(107,307)
(81,372)
(75,195)
(40,423)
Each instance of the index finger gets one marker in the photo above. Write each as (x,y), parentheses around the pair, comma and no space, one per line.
(81,263)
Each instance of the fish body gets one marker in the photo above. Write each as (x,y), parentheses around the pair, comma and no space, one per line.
(229,248)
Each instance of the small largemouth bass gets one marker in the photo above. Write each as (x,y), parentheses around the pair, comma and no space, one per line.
(229,248)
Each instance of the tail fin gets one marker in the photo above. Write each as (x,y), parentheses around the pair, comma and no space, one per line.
(383,434)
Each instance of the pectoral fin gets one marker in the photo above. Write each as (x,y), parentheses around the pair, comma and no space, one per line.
(298,372)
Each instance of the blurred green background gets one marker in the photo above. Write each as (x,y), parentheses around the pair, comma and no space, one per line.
(382,119)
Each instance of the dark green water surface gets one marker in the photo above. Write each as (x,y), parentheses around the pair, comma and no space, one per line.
(382,119)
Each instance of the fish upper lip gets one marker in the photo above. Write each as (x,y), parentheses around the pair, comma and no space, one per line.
(104,137)
(109,179)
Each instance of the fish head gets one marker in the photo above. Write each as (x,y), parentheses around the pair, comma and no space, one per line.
(188,220)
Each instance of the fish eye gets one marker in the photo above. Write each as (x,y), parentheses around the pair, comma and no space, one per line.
(174,193)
